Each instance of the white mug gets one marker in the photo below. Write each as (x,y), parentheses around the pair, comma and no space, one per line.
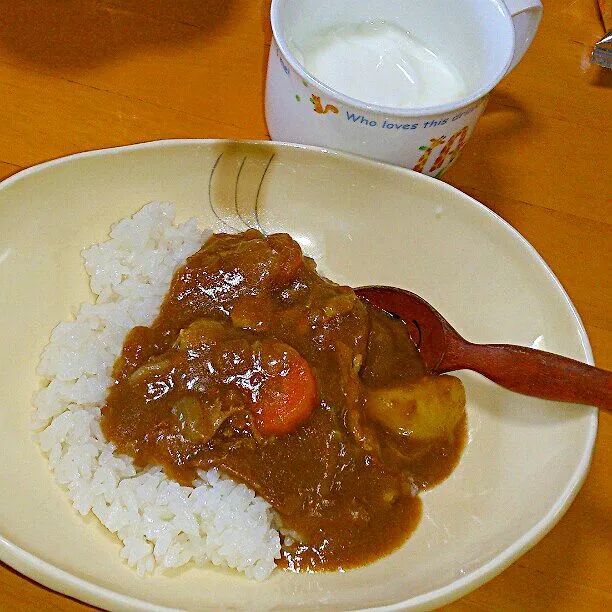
(485,39)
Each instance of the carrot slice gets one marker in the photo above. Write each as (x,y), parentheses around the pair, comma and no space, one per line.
(287,398)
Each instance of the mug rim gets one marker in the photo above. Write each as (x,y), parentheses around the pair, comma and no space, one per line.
(397,111)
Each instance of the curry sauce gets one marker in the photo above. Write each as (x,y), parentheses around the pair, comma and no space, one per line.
(287,382)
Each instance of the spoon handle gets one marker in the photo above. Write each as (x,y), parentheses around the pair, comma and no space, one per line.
(533,372)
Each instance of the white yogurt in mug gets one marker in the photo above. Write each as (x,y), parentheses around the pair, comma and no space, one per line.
(396,80)
(380,63)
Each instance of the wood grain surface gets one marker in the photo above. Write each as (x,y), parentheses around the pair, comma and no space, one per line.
(85,74)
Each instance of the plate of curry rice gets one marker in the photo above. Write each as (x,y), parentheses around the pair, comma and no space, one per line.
(199,413)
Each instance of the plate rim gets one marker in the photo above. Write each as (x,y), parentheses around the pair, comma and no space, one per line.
(64,582)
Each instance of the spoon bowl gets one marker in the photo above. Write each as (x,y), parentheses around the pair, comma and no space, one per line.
(517,368)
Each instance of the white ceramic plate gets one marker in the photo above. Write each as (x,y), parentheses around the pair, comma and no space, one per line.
(365,223)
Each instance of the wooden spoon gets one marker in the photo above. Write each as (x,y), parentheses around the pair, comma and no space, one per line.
(518,368)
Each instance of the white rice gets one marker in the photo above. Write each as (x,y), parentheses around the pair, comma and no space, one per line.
(160,523)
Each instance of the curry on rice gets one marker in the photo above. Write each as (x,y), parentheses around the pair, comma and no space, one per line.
(289,383)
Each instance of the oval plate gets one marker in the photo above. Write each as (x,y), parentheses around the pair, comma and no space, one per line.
(365,223)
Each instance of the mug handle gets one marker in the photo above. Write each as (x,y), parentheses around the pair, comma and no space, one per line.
(526,15)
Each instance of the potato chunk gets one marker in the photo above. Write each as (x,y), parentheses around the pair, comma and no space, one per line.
(425,409)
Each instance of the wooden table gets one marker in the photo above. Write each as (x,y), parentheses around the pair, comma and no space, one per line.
(85,74)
